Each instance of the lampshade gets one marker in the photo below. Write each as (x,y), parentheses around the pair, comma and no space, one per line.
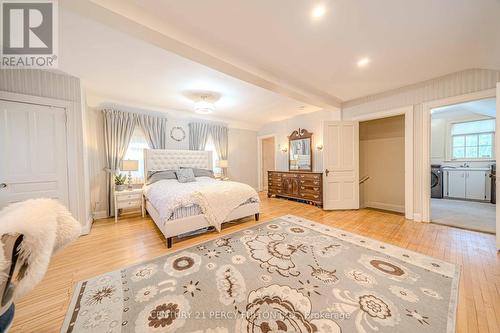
(129,165)
(223,163)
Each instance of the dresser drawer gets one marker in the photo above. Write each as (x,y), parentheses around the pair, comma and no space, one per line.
(314,176)
(128,204)
(310,196)
(289,175)
(129,197)
(274,190)
(310,182)
(310,189)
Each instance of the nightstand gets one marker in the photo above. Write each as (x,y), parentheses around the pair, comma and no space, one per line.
(129,199)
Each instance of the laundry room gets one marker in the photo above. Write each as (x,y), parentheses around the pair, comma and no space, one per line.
(463,165)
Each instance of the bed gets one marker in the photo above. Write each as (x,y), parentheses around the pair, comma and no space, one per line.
(169,203)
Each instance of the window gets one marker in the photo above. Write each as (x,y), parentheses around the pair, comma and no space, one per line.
(135,151)
(473,139)
(210,146)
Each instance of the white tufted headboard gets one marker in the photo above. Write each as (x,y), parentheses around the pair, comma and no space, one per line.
(165,159)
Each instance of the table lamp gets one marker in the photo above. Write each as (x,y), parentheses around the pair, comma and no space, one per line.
(129,165)
(223,164)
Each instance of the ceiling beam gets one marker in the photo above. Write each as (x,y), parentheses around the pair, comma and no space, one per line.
(140,31)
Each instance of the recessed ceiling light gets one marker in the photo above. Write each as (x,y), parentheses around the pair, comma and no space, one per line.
(318,11)
(363,62)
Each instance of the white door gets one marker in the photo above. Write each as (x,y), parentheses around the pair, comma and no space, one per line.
(33,161)
(341,163)
(456,184)
(475,185)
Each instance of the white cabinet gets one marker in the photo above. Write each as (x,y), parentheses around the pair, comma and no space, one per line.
(456,184)
(470,185)
(475,185)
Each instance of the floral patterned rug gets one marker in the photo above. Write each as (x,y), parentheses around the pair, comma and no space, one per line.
(286,275)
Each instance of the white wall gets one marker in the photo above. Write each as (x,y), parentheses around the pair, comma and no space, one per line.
(242,156)
(313,122)
(382,158)
(455,84)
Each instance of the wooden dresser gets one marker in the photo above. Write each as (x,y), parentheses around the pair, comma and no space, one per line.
(306,186)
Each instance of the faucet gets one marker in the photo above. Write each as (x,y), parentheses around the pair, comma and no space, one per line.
(465,165)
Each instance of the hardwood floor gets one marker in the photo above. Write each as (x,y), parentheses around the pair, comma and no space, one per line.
(111,246)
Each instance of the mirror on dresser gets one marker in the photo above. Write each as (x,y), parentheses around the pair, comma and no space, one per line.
(300,145)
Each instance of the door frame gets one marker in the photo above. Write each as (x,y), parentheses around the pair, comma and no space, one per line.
(407,111)
(260,185)
(75,150)
(425,175)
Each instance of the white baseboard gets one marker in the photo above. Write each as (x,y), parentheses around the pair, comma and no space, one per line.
(417,217)
(102,214)
(385,206)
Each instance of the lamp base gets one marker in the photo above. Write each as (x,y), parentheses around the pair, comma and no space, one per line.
(130,180)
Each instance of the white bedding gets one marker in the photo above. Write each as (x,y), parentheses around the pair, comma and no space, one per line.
(216,198)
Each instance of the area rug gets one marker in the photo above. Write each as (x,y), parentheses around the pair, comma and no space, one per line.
(286,275)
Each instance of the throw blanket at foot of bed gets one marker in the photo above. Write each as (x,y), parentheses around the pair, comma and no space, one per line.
(217,201)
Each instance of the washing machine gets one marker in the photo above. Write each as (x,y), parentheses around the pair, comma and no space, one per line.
(436,181)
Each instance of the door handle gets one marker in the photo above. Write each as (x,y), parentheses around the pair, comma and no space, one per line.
(3,185)
(327,172)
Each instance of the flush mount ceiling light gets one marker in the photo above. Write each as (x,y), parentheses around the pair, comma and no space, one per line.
(204,105)
(363,62)
(318,11)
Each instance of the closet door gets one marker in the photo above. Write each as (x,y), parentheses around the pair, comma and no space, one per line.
(33,161)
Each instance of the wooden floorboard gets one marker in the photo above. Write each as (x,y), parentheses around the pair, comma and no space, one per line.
(111,246)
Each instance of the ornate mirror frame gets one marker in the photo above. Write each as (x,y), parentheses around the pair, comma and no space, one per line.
(300,134)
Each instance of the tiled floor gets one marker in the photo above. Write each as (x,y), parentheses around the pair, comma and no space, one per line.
(464,214)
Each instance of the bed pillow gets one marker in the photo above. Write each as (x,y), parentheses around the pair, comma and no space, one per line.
(201,172)
(185,175)
(154,176)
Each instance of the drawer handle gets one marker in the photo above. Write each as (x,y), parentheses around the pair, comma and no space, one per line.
(302,188)
(316,196)
(316,188)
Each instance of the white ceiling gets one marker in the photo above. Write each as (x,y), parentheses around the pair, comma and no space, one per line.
(407,41)
(482,107)
(274,45)
(115,67)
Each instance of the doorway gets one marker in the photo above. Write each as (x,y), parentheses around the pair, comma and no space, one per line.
(463,165)
(266,157)
(406,114)
(382,164)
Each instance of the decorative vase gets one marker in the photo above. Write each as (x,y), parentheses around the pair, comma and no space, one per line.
(120,187)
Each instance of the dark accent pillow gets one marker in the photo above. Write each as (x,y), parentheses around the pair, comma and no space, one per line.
(185,175)
(154,176)
(201,172)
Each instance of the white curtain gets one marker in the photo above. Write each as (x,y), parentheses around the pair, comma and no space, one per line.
(198,135)
(219,136)
(155,130)
(118,129)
